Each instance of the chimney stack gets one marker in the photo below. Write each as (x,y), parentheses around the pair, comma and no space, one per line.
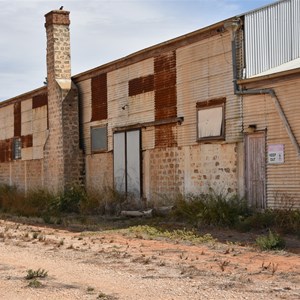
(58,45)
(62,156)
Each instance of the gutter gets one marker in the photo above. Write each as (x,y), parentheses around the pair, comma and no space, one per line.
(269,91)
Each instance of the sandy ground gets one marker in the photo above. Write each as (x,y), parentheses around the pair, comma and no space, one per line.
(111,265)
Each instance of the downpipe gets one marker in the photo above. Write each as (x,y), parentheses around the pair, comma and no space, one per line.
(268,91)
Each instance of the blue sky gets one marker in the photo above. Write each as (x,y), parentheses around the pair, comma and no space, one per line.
(101,31)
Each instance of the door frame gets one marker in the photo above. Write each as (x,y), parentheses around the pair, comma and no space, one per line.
(125,154)
(263,133)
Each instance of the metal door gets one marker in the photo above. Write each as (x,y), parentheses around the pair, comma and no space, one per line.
(255,172)
(127,162)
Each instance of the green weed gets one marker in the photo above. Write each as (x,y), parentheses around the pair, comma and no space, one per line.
(146,231)
(34,283)
(39,273)
(272,241)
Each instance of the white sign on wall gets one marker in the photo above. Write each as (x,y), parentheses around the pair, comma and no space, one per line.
(276,154)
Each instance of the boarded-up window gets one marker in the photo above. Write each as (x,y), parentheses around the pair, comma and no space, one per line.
(99,139)
(210,117)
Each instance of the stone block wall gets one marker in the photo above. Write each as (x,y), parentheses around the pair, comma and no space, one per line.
(191,169)
(99,171)
(26,175)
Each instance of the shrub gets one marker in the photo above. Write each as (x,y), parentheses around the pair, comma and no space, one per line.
(92,204)
(188,208)
(71,198)
(11,199)
(46,204)
(272,241)
(283,220)
(39,203)
(257,220)
(287,220)
(107,201)
(211,209)
(220,211)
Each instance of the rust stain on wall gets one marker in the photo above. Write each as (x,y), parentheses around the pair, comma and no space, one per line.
(164,136)
(99,97)
(6,150)
(26,141)
(211,102)
(17,119)
(39,100)
(165,86)
(165,97)
(141,85)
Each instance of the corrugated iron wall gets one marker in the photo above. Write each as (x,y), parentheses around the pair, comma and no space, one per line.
(154,91)
(204,72)
(272,36)
(283,180)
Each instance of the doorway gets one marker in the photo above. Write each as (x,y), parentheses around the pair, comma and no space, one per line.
(127,162)
(255,169)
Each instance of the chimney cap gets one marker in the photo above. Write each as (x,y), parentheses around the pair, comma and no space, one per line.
(57,17)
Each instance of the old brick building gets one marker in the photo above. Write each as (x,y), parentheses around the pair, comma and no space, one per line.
(172,118)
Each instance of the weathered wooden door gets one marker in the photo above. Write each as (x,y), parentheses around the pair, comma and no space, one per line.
(127,162)
(255,169)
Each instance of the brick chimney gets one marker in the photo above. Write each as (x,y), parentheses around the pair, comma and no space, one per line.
(62,156)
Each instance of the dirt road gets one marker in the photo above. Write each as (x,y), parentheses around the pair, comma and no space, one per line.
(111,265)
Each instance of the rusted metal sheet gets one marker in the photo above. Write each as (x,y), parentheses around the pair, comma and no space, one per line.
(26,141)
(99,97)
(39,100)
(141,85)
(211,102)
(165,86)
(17,119)
(166,135)
(6,150)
